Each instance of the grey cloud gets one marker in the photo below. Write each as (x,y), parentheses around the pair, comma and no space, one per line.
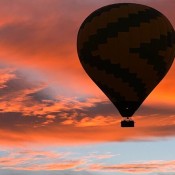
(15,121)
(145,110)
(44,94)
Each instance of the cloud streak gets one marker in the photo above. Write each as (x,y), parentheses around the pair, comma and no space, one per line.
(34,160)
(137,168)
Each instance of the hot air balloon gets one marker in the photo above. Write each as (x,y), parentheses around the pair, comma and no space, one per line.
(126,49)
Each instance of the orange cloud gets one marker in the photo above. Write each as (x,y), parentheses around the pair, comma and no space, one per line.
(92,122)
(31,113)
(48,98)
(36,40)
(6,75)
(56,134)
(45,39)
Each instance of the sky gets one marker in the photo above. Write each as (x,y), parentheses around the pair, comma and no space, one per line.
(53,119)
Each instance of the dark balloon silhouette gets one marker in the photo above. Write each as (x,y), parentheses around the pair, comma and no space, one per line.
(126,49)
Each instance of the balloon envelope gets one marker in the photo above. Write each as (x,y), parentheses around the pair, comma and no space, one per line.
(126,49)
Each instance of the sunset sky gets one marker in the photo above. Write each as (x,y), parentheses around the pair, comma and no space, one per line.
(53,119)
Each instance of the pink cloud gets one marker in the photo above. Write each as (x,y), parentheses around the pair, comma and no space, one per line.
(137,168)
(25,159)
(97,156)
(62,166)
(58,161)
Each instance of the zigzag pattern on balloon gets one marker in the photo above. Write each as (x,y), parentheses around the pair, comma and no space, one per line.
(126,49)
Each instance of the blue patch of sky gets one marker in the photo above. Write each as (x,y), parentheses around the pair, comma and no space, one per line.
(125,151)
